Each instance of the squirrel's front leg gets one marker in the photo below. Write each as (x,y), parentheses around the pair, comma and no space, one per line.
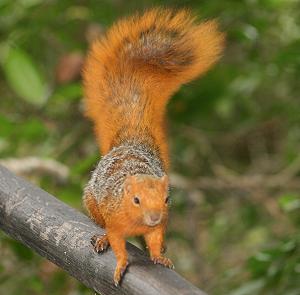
(118,245)
(155,243)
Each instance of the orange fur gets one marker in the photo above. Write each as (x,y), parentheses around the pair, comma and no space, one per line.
(93,208)
(129,77)
(119,57)
(127,220)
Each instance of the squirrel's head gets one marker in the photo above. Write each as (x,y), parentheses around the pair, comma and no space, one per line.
(146,198)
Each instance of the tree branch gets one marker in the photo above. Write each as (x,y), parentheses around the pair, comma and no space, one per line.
(62,234)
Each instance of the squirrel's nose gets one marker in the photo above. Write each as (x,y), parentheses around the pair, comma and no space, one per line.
(155,216)
(152,218)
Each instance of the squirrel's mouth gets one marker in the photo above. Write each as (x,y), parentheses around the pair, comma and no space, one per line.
(152,224)
(153,219)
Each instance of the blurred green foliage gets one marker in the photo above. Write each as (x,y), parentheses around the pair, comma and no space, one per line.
(239,124)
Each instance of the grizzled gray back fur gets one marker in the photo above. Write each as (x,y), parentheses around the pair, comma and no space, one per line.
(129,158)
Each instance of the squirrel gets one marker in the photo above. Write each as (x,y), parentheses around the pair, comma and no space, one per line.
(128,77)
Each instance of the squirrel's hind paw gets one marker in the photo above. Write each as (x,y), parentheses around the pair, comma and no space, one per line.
(100,243)
(163,261)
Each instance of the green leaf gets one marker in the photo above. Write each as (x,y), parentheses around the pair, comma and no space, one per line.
(6,127)
(85,165)
(36,285)
(23,77)
(33,130)
(289,202)
(1,269)
(259,265)
(68,92)
(252,287)
(289,246)
(21,251)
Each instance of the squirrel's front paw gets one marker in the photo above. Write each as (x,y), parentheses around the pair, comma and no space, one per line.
(100,243)
(119,272)
(163,261)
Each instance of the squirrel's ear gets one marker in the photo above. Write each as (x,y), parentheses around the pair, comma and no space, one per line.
(128,183)
(127,187)
(165,181)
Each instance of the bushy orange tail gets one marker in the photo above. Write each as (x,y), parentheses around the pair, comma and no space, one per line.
(132,71)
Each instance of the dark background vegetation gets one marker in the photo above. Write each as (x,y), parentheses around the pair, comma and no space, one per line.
(234,137)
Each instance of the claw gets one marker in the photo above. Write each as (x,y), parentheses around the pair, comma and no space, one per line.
(93,240)
(100,243)
(119,272)
(163,261)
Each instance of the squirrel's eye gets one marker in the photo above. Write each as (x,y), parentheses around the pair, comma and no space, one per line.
(167,200)
(136,200)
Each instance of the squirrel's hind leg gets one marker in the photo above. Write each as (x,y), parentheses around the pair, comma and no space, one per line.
(100,242)
(93,208)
